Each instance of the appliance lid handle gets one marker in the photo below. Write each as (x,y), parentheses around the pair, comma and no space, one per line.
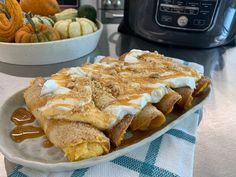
(113,15)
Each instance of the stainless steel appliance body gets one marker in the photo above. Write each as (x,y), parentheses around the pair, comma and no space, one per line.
(193,23)
(110,11)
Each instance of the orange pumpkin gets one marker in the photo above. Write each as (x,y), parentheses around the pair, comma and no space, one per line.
(11,20)
(40,7)
(32,33)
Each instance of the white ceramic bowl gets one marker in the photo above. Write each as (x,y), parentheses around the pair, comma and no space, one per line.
(50,52)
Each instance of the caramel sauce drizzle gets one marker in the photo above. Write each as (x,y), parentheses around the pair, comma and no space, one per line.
(20,133)
(146,90)
(21,116)
(126,101)
(61,79)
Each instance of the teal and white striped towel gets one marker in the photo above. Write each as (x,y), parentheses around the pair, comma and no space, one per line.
(170,155)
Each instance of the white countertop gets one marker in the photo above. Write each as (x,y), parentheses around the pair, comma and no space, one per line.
(216,138)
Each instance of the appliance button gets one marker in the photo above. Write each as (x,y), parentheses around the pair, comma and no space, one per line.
(166,18)
(165,8)
(207,4)
(204,12)
(191,11)
(182,21)
(199,22)
(179,2)
(178,10)
(193,4)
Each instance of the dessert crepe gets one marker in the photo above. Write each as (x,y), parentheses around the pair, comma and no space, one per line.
(78,140)
(149,118)
(137,90)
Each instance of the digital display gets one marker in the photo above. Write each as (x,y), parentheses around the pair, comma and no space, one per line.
(179,9)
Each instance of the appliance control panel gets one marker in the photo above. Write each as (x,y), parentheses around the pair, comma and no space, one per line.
(196,15)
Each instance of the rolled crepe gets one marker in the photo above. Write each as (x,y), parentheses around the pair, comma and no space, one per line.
(122,57)
(117,132)
(186,94)
(202,84)
(70,106)
(149,118)
(167,103)
(78,140)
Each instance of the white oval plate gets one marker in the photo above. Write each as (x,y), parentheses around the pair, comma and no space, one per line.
(32,154)
(50,52)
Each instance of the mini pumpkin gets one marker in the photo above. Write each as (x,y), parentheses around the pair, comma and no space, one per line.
(40,7)
(75,27)
(44,20)
(65,14)
(32,33)
(11,20)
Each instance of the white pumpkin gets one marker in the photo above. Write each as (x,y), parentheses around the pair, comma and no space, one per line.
(87,25)
(77,27)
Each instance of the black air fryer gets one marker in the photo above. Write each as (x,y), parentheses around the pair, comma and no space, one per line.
(192,23)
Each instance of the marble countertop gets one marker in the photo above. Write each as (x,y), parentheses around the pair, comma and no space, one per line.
(216,141)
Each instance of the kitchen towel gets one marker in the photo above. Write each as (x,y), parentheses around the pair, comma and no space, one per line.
(170,155)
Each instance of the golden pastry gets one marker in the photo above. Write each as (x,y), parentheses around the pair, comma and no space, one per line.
(76,105)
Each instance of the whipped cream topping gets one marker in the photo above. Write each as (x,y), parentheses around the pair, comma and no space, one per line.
(120,110)
(78,72)
(175,82)
(98,59)
(181,82)
(64,108)
(52,87)
(155,85)
(132,56)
